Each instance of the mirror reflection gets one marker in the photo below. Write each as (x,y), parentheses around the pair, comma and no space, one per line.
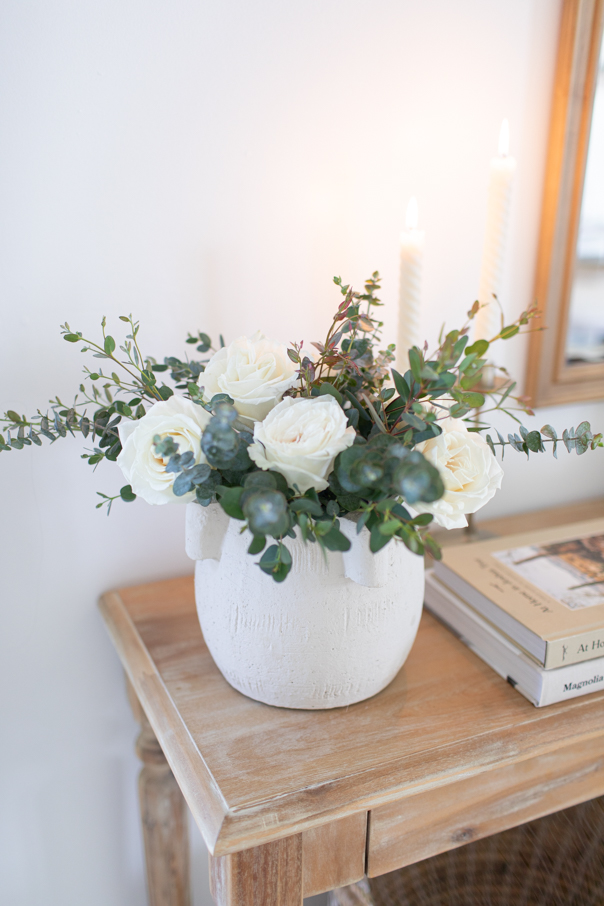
(585,336)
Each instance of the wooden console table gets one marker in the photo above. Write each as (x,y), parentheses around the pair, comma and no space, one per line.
(294,803)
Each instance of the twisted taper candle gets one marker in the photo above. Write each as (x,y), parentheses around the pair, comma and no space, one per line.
(503,167)
(411,259)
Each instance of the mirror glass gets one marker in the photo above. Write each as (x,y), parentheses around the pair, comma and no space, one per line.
(585,335)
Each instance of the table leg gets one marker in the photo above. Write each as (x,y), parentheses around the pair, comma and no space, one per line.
(269,875)
(164,820)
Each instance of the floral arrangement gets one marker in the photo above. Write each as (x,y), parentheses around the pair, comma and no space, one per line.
(289,441)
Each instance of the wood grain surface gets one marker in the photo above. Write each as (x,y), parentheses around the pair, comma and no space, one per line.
(164,823)
(418,827)
(269,875)
(253,774)
(550,378)
(334,854)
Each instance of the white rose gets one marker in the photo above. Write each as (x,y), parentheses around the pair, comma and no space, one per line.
(142,467)
(254,371)
(469,471)
(301,438)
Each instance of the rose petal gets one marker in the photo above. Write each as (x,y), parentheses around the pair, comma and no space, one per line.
(254,371)
(301,438)
(142,468)
(469,471)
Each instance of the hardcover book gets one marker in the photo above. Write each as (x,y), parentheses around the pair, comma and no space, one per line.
(544,590)
(540,686)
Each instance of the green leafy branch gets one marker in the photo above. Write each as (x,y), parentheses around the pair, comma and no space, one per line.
(125,392)
(347,358)
(126,494)
(59,422)
(186,373)
(138,368)
(446,382)
(529,442)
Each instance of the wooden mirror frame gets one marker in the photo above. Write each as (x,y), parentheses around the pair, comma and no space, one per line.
(550,380)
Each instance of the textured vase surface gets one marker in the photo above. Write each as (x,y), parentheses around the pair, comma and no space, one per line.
(335,632)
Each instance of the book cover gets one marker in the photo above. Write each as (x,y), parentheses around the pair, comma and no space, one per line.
(544,589)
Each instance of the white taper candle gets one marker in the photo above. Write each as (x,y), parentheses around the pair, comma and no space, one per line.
(411,259)
(488,319)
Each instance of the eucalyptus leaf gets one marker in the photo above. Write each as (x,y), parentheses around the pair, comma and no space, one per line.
(335,540)
(276,561)
(416,363)
(534,442)
(127,494)
(308,506)
(257,545)
(509,332)
(327,388)
(479,347)
(229,501)
(266,512)
(377,540)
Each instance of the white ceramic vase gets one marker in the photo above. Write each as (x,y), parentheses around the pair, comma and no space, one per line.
(335,632)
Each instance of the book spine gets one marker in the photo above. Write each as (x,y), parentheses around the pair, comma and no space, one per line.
(574,650)
(570,682)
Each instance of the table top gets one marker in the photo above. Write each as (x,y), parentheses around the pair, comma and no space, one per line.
(252,773)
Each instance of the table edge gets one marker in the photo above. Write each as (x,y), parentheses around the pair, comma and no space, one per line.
(227,829)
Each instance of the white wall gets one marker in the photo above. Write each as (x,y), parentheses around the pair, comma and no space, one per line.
(212,165)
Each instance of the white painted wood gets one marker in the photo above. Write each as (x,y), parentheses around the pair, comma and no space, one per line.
(321,639)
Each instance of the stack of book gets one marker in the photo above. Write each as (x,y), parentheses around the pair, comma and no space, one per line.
(531,606)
